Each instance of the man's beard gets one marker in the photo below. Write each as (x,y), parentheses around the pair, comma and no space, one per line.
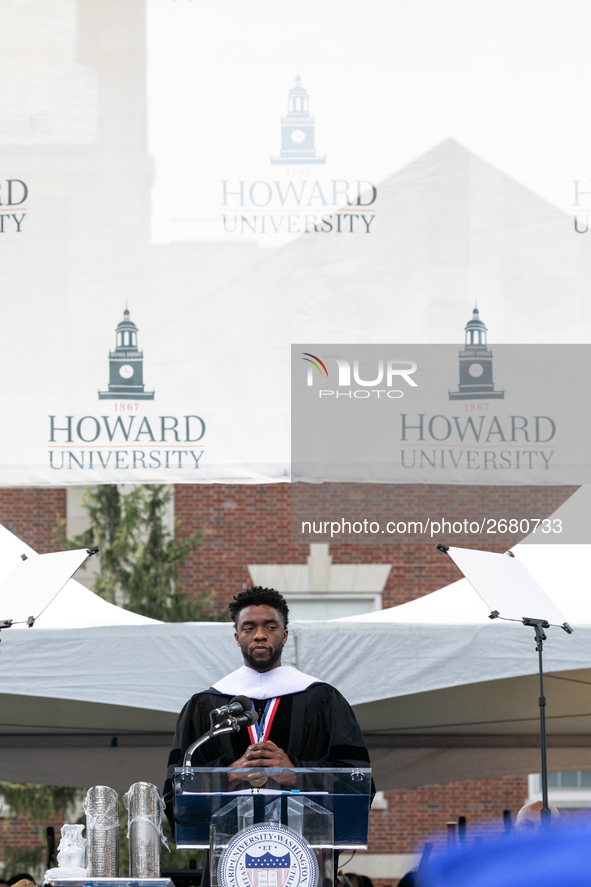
(267,664)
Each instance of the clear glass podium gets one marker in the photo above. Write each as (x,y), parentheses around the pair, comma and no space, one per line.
(327,808)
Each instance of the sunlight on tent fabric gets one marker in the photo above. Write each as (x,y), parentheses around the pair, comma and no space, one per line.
(563,573)
(75,606)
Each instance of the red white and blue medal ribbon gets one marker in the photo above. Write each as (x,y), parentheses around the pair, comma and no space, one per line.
(260,732)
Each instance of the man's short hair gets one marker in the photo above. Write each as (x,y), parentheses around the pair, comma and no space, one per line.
(257,596)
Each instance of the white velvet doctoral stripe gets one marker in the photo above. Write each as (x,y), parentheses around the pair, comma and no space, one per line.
(265,685)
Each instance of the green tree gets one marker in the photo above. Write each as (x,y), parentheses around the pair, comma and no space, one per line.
(139,559)
(41,805)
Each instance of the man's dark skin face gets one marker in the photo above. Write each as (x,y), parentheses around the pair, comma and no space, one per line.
(260,634)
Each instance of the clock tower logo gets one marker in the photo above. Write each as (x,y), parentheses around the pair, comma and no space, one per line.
(297,130)
(126,365)
(476,376)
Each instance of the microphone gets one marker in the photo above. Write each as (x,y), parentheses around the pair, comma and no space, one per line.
(236,706)
(247,719)
(237,721)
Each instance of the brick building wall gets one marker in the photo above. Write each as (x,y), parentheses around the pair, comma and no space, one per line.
(251,524)
(32,514)
(21,836)
(412,815)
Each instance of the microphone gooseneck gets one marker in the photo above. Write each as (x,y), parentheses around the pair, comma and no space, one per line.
(231,724)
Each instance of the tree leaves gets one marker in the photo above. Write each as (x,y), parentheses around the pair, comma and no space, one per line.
(139,558)
(39,803)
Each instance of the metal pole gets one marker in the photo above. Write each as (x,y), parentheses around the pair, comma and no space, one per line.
(217,731)
(538,626)
(545,813)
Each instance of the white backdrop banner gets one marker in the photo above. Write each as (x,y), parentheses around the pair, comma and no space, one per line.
(187,189)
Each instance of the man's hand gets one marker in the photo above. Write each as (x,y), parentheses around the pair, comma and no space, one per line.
(263,754)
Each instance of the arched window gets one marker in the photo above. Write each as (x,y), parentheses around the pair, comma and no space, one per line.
(475,337)
(119,340)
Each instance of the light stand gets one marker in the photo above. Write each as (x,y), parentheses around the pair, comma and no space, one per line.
(538,626)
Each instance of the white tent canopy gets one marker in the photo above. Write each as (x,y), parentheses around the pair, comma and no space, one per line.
(441,692)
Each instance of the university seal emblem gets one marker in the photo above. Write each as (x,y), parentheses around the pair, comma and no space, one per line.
(268,855)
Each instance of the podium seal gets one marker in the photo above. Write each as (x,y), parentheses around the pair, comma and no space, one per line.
(268,855)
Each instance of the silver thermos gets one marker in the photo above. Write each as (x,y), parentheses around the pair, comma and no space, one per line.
(145,830)
(102,832)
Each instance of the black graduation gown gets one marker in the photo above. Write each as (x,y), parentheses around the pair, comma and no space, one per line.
(315,728)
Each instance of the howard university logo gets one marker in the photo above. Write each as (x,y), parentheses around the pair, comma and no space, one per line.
(268,856)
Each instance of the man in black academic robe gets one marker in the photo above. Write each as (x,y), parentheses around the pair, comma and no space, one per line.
(313,724)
